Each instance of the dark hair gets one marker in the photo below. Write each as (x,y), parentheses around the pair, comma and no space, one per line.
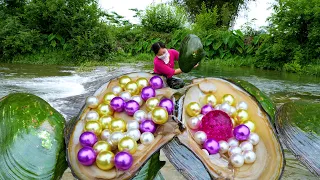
(156,47)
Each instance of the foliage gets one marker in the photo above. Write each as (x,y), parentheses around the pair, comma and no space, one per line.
(294,35)
(78,31)
(228,9)
(163,18)
(72,25)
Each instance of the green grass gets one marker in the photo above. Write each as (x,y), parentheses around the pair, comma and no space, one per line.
(49,58)
(62,58)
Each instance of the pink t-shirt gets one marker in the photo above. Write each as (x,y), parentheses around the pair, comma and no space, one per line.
(166,69)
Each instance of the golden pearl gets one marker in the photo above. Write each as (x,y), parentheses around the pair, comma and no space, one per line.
(117,125)
(250,125)
(108,97)
(210,99)
(152,103)
(159,115)
(123,81)
(105,121)
(93,126)
(242,115)
(105,160)
(233,122)
(101,146)
(127,144)
(132,88)
(142,82)
(229,99)
(193,109)
(105,110)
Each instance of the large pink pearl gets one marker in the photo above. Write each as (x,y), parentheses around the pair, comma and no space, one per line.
(217,125)
(156,82)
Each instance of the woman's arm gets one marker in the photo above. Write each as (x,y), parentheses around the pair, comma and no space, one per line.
(177,71)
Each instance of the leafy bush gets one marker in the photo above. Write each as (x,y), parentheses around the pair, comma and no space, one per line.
(294,30)
(163,18)
(207,19)
(17,39)
(96,44)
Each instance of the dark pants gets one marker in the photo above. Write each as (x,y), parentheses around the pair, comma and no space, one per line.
(174,82)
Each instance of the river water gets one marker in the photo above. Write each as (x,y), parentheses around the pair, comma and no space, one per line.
(66,89)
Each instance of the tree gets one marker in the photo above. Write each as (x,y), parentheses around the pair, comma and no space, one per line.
(227,9)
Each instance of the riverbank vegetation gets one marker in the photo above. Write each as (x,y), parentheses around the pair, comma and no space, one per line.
(78,32)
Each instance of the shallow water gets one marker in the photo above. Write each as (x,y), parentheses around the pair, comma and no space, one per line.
(66,89)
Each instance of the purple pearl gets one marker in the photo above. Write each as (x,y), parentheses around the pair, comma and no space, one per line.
(123,160)
(147,92)
(86,156)
(117,104)
(212,146)
(148,126)
(167,104)
(131,107)
(241,132)
(156,82)
(206,108)
(88,139)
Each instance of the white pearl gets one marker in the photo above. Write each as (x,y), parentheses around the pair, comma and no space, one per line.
(105,134)
(126,96)
(233,110)
(249,157)
(242,105)
(206,152)
(225,107)
(138,99)
(92,102)
(234,150)
(134,134)
(200,137)
(149,116)
(237,160)
(132,125)
(246,146)
(117,90)
(92,116)
(200,116)
(115,137)
(254,138)
(224,146)
(217,107)
(193,123)
(233,142)
(146,138)
(140,115)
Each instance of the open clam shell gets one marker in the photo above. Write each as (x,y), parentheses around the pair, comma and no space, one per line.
(269,163)
(163,134)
